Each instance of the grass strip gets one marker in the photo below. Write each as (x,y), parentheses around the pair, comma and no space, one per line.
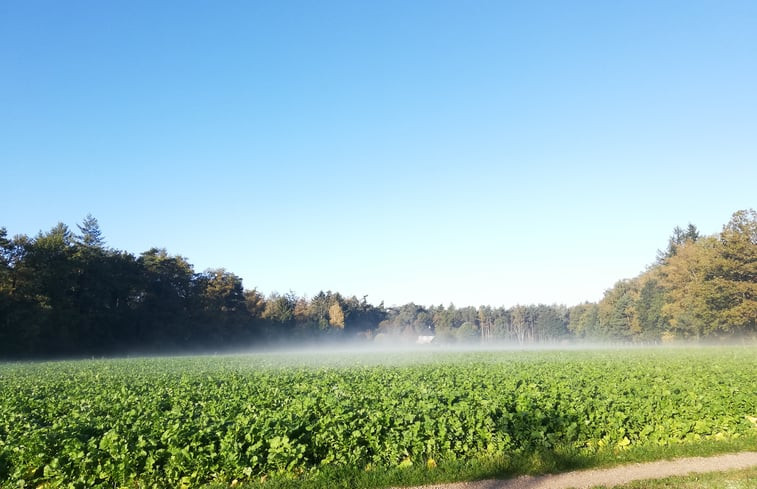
(535,463)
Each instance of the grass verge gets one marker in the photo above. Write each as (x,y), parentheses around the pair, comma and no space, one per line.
(534,463)
(732,479)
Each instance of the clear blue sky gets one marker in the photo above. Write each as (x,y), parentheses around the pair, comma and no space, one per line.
(475,152)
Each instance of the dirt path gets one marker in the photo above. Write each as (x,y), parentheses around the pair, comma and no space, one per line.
(613,476)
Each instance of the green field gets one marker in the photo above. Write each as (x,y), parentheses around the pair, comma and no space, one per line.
(348,418)
(732,479)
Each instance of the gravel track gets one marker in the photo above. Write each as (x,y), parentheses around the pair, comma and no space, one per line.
(613,476)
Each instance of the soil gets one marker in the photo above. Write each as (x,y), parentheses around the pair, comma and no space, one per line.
(613,476)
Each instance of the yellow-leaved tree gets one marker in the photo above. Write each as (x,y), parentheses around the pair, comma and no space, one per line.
(336,315)
(687,278)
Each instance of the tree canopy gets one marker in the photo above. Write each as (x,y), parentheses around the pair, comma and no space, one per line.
(69,294)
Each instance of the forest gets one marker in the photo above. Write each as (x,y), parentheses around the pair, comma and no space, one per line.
(65,293)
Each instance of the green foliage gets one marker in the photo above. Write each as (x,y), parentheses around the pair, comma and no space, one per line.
(66,295)
(185,421)
(467,332)
(584,320)
(91,235)
(734,280)
(62,294)
(649,309)
(732,479)
(678,238)
(616,311)
(701,287)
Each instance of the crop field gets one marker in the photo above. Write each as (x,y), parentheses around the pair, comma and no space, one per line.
(229,420)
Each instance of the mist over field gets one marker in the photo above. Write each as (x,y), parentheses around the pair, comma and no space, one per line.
(68,294)
(346,353)
(370,244)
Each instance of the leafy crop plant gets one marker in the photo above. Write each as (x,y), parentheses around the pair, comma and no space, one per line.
(189,421)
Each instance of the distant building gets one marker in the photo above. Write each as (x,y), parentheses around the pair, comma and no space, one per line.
(424,340)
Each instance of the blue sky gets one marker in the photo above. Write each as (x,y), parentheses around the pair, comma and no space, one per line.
(483,152)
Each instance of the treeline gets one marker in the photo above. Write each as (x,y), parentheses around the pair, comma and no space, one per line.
(699,287)
(67,293)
